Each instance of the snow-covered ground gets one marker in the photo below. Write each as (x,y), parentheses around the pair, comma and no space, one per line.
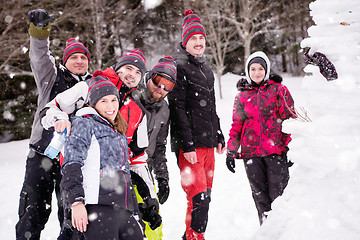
(322,198)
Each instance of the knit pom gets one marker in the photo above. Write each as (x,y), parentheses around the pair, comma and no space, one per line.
(138,50)
(70,41)
(188,12)
(97,73)
(168,57)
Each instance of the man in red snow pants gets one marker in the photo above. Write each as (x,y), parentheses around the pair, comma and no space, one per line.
(195,126)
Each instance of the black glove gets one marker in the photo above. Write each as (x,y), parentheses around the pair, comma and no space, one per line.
(150,212)
(230,163)
(164,190)
(40,17)
(327,69)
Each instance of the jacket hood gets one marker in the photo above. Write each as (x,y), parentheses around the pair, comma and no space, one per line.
(90,111)
(252,56)
(70,77)
(180,54)
(86,111)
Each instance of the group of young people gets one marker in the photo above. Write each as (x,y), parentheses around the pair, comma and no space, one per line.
(117,123)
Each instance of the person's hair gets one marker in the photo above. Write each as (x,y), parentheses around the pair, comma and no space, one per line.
(119,123)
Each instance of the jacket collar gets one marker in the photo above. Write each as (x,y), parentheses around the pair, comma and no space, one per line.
(183,56)
(68,75)
(146,100)
(89,111)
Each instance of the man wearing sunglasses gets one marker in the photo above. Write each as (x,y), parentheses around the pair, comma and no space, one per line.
(195,125)
(159,82)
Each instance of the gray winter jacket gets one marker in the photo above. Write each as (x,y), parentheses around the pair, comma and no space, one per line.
(50,80)
(158,127)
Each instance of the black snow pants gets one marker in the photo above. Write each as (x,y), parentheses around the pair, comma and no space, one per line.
(42,176)
(111,223)
(268,176)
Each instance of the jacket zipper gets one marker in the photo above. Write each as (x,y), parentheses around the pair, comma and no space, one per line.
(258,103)
(122,164)
(212,120)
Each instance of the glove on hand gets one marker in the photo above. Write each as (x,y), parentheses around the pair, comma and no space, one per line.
(230,163)
(40,18)
(327,69)
(164,190)
(150,212)
(221,139)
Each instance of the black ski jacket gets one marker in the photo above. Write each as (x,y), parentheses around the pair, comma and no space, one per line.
(194,122)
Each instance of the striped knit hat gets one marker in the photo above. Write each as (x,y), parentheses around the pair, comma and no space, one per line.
(101,86)
(191,26)
(165,65)
(74,46)
(134,57)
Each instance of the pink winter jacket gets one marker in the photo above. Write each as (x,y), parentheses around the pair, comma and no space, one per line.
(258,114)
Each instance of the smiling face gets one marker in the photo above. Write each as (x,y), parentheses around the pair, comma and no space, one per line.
(256,72)
(196,45)
(77,63)
(108,106)
(130,75)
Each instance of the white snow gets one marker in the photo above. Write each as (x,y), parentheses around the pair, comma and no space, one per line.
(322,198)
(150,4)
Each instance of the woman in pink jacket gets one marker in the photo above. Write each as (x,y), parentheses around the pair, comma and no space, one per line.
(259,110)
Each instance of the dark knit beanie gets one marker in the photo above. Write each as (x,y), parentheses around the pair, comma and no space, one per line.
(165,65)
(74,46)
(259,60)
(101,86)
(191,26)
(134,57)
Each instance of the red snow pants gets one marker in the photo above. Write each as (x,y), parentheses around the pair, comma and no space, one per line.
(196,180)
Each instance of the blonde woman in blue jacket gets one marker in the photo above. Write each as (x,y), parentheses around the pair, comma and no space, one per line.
(96,180)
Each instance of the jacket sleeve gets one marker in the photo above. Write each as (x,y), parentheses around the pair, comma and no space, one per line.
(179,113)
(43,67)
(286,104)
(238,118)
(219,134)
(65,103)
(71,184)
(157,162)
(75,153)
(142,178)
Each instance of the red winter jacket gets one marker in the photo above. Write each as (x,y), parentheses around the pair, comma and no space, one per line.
(258,114)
